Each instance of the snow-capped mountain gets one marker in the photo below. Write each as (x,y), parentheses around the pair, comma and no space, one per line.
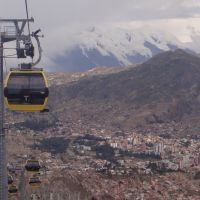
(114,47)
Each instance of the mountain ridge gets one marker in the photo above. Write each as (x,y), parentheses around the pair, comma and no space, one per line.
(114,47)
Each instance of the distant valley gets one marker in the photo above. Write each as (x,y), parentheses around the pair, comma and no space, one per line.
(163,90)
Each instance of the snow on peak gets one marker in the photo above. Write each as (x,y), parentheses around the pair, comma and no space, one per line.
(122,42)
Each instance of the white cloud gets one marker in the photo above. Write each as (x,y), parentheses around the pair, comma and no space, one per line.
(60,19)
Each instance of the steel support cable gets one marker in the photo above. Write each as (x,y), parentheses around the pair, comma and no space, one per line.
(27,15)
(10,57)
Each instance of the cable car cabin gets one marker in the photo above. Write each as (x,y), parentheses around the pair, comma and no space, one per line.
(35,182)
(32,165)
(12,190)
(26,90)
(10,180)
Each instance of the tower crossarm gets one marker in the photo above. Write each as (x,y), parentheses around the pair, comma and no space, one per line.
(18,25)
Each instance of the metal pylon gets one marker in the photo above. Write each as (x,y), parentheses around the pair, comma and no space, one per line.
(3,165)
(6,36)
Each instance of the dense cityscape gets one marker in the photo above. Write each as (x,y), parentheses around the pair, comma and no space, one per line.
(108,164)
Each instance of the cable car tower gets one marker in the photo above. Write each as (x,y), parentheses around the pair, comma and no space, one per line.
(24,48)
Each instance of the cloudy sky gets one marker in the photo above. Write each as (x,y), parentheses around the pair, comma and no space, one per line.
(61,18)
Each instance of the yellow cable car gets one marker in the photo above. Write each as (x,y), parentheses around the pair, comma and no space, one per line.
(32,165)
(35,182)
(26,90)
(13,191)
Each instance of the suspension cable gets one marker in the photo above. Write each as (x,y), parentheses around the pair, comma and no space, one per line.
(27,15)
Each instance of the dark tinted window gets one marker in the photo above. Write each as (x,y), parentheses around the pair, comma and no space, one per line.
(26,81)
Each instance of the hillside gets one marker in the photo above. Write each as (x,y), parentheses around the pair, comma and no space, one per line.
(91,111)
(159,96)
(164,89)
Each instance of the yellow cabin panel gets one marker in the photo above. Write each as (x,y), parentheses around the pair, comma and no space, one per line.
(28,107)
